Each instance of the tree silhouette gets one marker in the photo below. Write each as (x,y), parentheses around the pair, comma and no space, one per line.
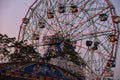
(24,52)
(12,50)
(5,42)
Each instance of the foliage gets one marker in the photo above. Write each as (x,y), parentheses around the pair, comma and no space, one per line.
(5,42)
(24,52)
(12,50)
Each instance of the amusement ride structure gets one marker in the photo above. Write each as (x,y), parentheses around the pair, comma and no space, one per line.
(79,36)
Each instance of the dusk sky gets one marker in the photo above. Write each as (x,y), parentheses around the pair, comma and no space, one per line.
(12,12)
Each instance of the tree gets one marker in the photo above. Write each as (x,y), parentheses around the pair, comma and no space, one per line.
(12,50)
(23,52)
(5,42)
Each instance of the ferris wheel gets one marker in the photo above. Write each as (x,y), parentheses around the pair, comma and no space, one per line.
(87,28)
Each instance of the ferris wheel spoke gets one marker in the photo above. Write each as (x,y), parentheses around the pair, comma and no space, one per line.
(50,27)
(47,28)
(94,9)
(81,30)
(96,21)
(102,44)
(96,64)
(96,52)
(89,25)
(53,3)
(86,37)
(40,33)
(56,20)
(104,25)
(67,26)
(71,20)
(83,22)
(105,48)
(75,15)
(97,38)
(92,34)
(66,14)
(96,61)
(60,28)
(90,71)
(52,22)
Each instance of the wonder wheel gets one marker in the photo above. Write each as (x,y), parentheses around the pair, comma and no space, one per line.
(81,33)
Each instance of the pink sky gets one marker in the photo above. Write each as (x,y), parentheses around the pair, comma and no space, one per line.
(12,12)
